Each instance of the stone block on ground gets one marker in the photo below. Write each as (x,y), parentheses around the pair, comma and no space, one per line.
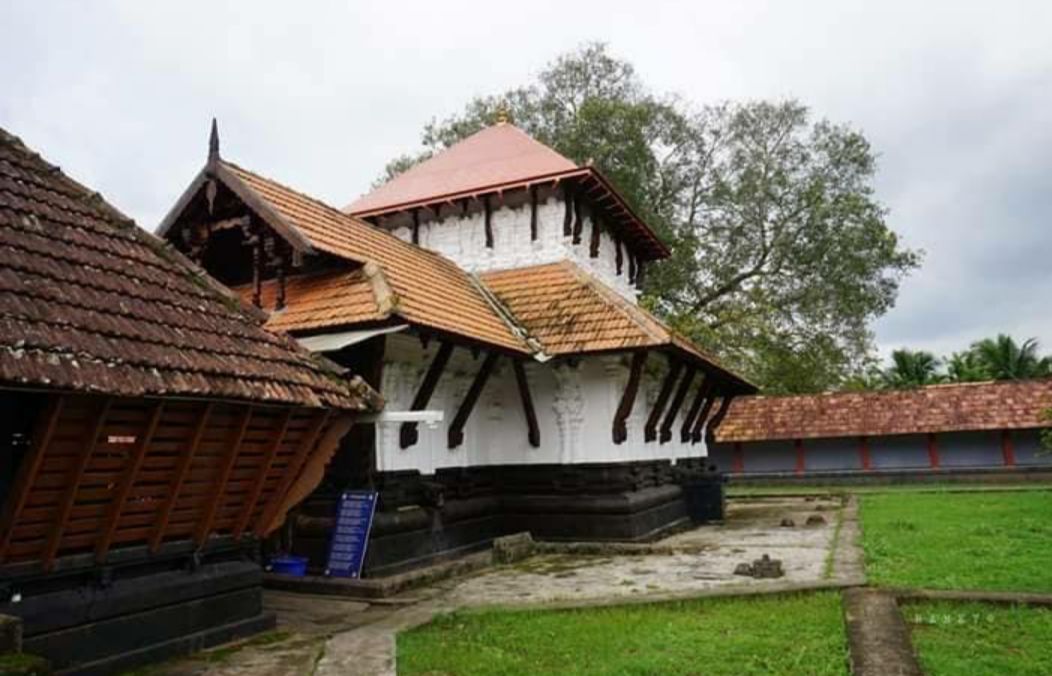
(10,634)
(512,548)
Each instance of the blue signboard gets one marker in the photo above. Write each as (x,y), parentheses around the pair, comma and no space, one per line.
(350,536)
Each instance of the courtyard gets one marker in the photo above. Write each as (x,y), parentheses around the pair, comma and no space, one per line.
(674,604)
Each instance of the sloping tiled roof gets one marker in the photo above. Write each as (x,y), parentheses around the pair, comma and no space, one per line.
(429,289)
(497,155)
(90,302)
(505,158)
(568,312)
(939,408)
(321,300)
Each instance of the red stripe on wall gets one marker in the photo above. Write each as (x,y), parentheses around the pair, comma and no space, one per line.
(738,460)
(933,451)
(863,449)
(801,459)
(1008,448)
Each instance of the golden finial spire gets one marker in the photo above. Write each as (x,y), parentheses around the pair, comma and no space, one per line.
(503,114)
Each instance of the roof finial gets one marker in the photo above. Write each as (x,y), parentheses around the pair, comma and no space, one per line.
(503,113)
(213,142)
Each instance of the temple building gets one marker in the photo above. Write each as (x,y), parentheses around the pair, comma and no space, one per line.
(151,434)
(966,430)
(496,282)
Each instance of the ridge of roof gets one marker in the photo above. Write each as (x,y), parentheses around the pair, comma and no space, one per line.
(430,289)
(499,153)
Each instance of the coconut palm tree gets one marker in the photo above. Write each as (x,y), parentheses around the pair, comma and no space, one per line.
(911,369)
(966,367)
(1004,359)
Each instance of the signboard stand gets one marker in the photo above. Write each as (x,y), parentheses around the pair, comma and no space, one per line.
(350,535)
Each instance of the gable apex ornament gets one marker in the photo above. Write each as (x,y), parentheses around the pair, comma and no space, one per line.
(213,142)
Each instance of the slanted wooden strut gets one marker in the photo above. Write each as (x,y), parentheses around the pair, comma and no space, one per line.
(593,245)
(204,526)
(488,209)
(628,398)
(292,471)
(76,475)
(699,422)
(416,226)
(704,390)
(568,203)
(534,431)
(408,433)
(533,213)
(620,255)
(260,480)
(650,431)
(28,470)
(131,472)
(578,220)
(677,403)
(456,428)
(179,477)
(710,429)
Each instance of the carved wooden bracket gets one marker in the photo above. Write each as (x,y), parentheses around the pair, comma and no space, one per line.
(408,434)
(650,431)
(677,403)
(703,415)
(534,434)
(710,429)
(628,398)
(456,428)
(703,393)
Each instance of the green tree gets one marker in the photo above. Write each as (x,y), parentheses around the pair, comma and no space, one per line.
(1005,359)
(967,367)
(782,255)
(910,369)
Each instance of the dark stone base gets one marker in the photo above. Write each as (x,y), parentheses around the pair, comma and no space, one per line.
(84,627)
(422,520)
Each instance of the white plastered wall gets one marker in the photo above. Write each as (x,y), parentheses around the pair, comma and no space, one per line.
(575,407)
(463,239)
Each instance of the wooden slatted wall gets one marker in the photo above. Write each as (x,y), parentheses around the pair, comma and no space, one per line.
(106,473)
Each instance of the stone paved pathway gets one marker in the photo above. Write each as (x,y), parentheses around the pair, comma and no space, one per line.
(329,636)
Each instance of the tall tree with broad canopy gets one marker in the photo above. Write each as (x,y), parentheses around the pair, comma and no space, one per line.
(781,252)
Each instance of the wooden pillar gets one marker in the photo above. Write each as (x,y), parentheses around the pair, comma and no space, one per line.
(1008,448)
(863,451)
(801,456)
(650,430)
(628,397)
(933,451)
(456,428)
(408,433)
(738,461)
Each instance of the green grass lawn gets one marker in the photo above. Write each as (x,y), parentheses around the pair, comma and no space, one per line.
(975,639)
(749,490)
(994,541)
(798,634)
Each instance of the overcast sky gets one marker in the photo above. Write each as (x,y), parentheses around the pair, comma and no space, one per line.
(957,102)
